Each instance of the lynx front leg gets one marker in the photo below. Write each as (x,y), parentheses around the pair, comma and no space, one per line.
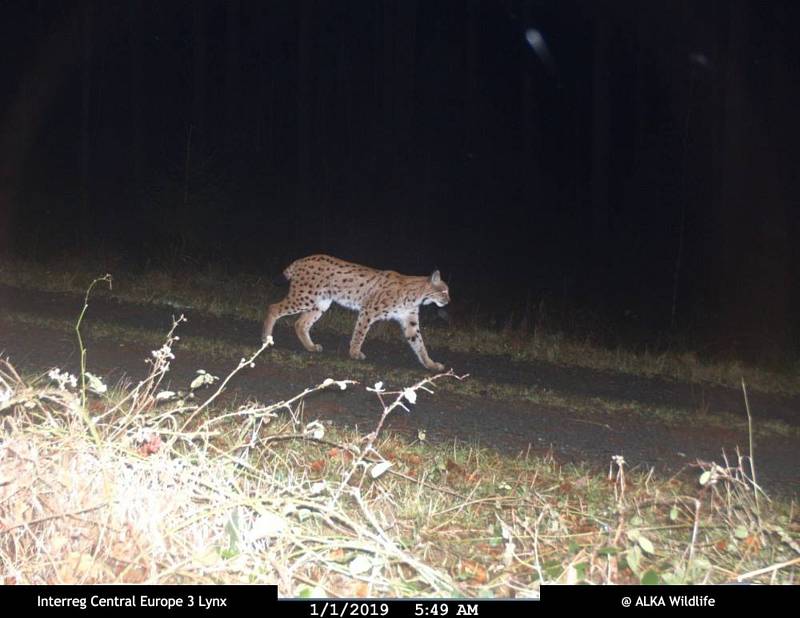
(362,327)
(414,337)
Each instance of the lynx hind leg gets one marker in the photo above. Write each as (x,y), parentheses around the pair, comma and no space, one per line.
(414,337)
(274,313)
(288,306)
(303,329)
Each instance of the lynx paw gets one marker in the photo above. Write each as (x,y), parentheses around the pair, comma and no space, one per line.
(317,348)
(357,355)
(436,366)
(269,341)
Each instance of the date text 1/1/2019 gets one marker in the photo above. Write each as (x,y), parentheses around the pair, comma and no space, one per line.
(346,608)
(355,609)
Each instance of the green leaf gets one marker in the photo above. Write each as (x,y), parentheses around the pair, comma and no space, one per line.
(741,532)
(232,528)
(673,579)
(645,544)
(311,593)
(673,513)
(553,570)
(650,578)
(705,477)
(634,555)
(699,567)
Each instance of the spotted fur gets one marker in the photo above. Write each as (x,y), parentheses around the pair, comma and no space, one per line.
(318,280)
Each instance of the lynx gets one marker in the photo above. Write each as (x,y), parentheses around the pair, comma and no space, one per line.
(318,280)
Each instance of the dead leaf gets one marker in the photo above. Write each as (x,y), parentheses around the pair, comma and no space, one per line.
(474,571)
(336,555)
(752,543)
(82,567)
(453,468)
(360,589)
(150,446)
(413,460)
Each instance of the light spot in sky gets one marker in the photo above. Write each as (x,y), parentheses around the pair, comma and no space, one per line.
(539,46)
(700,59)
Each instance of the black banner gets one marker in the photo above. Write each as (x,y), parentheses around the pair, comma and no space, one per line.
(235,600)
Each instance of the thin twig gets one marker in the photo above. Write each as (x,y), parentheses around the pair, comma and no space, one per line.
(84,410)
(7,529)
(397,403)
(752,450)
(769,569)
(242,363)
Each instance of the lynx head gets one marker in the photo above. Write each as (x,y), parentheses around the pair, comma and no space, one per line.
(437,292)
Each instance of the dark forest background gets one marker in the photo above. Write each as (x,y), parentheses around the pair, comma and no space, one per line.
(643,166)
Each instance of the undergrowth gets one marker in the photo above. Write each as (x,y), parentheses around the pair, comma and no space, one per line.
(134,483)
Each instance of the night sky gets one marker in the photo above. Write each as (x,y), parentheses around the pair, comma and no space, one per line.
(634,161)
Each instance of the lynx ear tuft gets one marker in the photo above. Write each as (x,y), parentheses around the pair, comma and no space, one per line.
(436,277)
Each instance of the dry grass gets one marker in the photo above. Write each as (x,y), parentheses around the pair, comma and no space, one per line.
(142,485)
(156,503)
